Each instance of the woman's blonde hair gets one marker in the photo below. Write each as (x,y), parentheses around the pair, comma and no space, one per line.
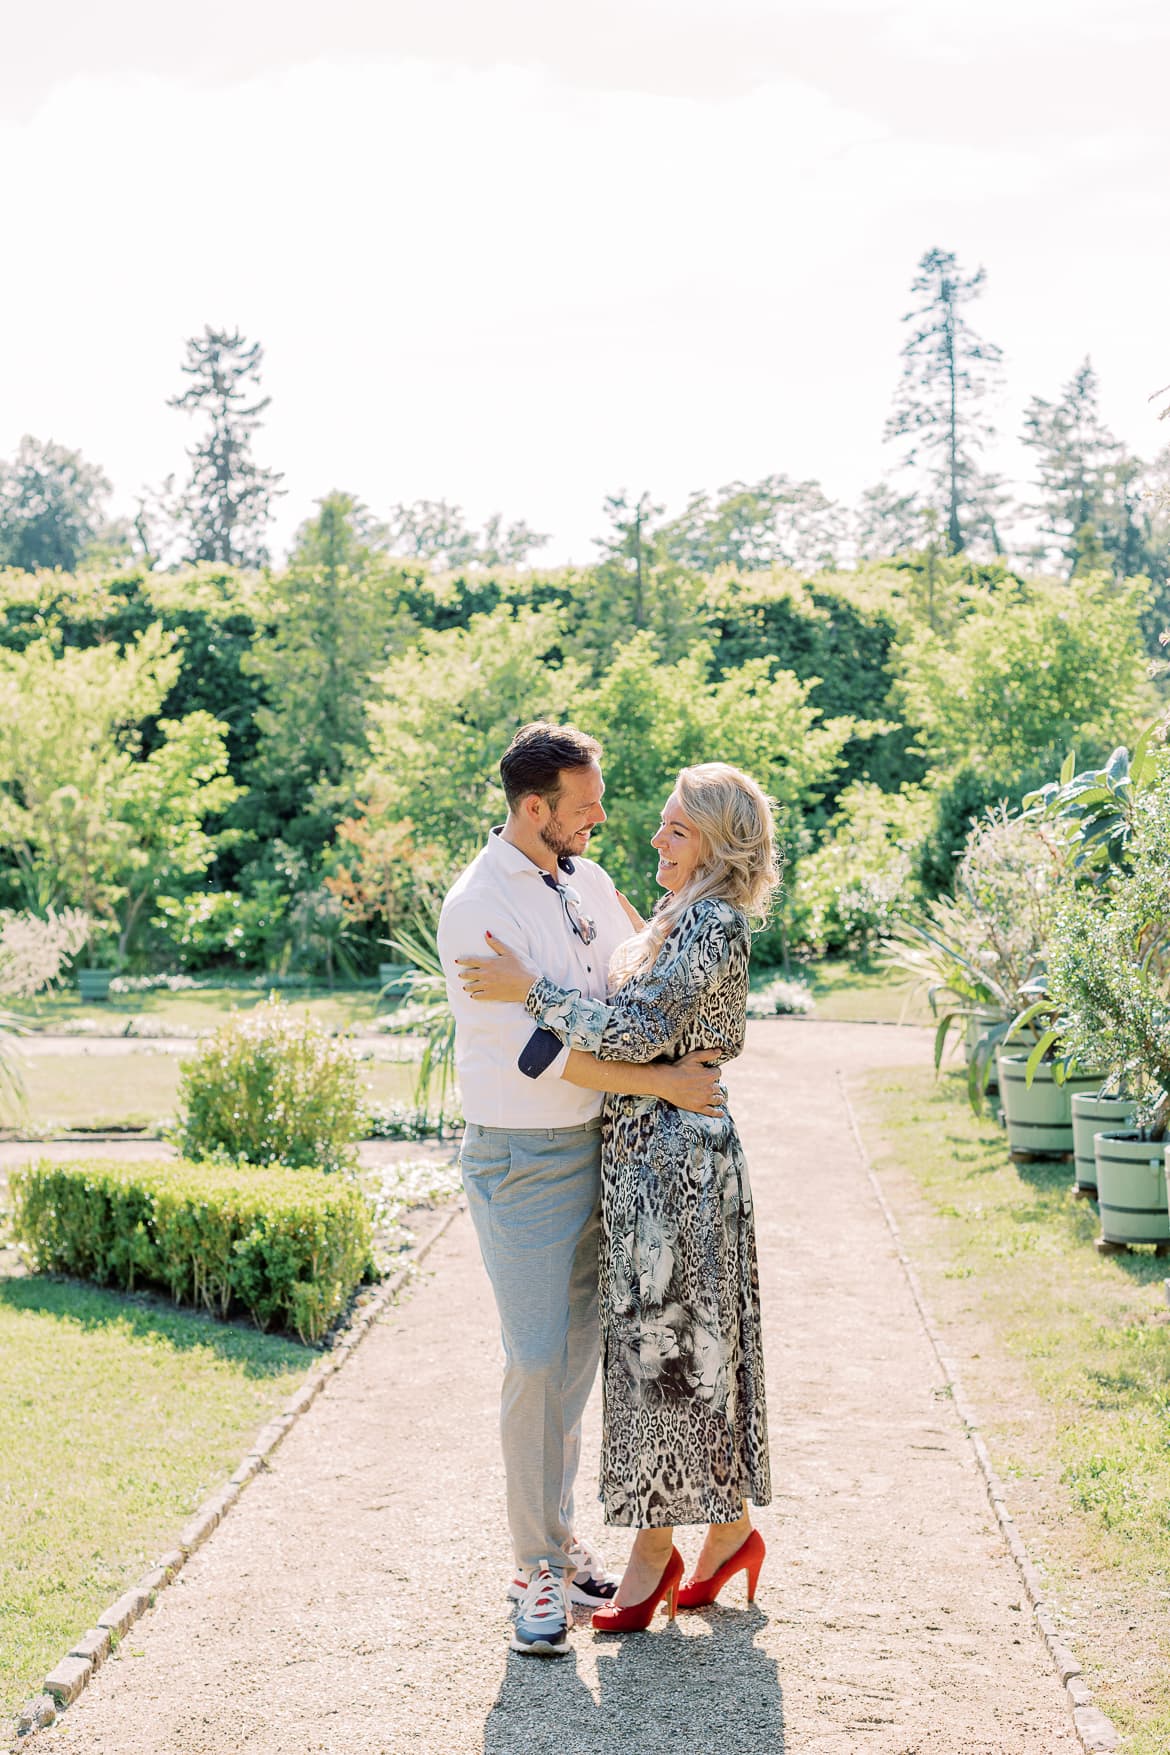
(737,858)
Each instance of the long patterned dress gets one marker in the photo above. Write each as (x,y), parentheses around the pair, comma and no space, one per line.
(685,1435)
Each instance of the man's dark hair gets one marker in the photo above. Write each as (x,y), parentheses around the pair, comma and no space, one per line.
(537,757)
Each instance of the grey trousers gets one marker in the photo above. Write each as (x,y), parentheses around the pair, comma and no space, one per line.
(534,1196)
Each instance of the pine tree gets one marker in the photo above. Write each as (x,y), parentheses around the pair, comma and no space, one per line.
(947,372)
(228,501)
(1075,453)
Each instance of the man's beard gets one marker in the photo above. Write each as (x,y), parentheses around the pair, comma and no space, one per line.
(557,839)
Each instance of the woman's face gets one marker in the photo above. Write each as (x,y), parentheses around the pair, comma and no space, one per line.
(678,844)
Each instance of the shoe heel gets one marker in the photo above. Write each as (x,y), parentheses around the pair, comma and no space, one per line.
(753,1570)
(671,1602)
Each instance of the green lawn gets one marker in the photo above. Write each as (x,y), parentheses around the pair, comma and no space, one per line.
(340,1008)
(139,1089)
(856,993)
(1067,1357)
(120,1416)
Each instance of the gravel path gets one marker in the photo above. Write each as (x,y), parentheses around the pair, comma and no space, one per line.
(352,1602)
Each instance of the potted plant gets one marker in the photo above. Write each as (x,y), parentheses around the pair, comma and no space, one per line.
(975,954)
(1040,1080)
(1110,967)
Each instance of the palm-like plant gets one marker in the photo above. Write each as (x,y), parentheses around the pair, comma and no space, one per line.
(1099,809)
(982,950)
(426,1010)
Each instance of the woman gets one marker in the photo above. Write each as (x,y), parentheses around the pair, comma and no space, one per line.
(685,1427)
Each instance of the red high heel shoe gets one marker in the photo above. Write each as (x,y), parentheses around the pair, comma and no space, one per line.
(637,1617)
(697,1593)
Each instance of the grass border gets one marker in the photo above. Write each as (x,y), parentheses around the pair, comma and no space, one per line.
(1095,1731)
(67,1679)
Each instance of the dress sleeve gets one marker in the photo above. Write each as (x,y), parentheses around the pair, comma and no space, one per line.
(653,1010)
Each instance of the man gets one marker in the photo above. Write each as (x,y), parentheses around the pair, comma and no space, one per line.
(532,1148)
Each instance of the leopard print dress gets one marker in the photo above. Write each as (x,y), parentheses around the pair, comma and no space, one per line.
(685,1425)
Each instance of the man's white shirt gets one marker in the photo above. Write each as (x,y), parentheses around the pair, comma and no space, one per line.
(504,893)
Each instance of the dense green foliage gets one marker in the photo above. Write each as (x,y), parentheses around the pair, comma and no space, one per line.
(272,1086)
(232,764)
(288,1247)
(227,769)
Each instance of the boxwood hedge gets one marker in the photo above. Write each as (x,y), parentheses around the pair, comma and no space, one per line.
(289,1247)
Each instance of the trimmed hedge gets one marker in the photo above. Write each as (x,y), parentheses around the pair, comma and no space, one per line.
(288,1246)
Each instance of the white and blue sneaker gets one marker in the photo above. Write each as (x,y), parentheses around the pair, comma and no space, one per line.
(544,1617)
(591,1585)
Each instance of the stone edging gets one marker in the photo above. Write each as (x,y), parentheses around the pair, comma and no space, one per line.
(67,1679)
(1096,1732)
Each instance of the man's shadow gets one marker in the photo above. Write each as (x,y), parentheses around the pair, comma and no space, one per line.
(710,1688)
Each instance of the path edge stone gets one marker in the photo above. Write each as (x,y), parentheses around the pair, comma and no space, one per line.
(68,1678)
(1095,1731)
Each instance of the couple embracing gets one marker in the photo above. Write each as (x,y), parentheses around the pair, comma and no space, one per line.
(606,1181)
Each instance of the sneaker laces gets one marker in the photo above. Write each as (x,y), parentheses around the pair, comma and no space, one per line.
(544,1599)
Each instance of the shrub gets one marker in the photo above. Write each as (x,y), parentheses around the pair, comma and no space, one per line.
(212,927)
(272,1087)
(857,884)
(288,1247)
(780,998)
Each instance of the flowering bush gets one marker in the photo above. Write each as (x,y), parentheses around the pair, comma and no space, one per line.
(272,1087)
(780,998)
(857,884)
(33,949)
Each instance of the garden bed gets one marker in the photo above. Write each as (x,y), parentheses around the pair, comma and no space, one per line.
(124,1412)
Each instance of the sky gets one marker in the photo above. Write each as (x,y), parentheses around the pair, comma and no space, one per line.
(524,254)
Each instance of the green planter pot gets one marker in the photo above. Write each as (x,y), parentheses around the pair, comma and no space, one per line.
(393,979)
(94,983)
(1039,1115)
(1131,1189)
(1093,1115)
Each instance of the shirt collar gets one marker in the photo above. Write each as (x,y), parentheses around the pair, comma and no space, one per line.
(518,864)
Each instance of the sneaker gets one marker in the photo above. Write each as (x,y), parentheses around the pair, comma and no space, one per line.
(544,1617)
(590,1585)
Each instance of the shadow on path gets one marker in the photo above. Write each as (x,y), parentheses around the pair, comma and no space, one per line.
(710,1687)
(147,1317)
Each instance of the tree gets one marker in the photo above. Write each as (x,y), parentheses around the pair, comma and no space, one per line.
(947,372)
(435,531)
(770,523)
(1074,453)
(654,718)
(887,523)
(1027,672)
(86,819)
(636,585)
(51,507)
(329,623)
(446,712)
(227,504)
(508,545)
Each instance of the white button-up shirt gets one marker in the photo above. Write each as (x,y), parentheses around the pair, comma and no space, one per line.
(504,893)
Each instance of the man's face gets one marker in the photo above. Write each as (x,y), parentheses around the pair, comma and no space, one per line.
(565,831)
